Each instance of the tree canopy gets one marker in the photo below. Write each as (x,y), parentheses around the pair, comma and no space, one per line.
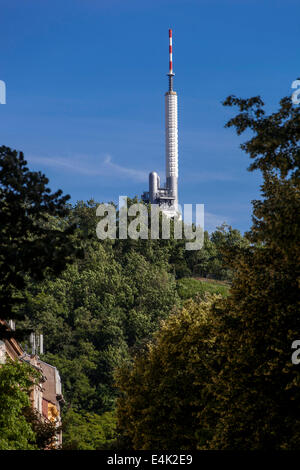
(16,432)
(235,383)
(256,394)
(30,244)
(162,392)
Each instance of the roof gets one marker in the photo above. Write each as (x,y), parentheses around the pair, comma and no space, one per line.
(49,386)
(52,384)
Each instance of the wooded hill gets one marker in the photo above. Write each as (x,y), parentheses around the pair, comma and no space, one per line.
(106,305)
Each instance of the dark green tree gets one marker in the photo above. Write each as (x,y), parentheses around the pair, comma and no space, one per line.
(89,431)
(97,310)
(30,244)
(16,432)
(225,380)
(161,391)
(255,398)
(45,431)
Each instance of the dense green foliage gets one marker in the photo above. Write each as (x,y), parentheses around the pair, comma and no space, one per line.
(16,432)
(224,379)
(93,314)
(45,432)
(30,245)
(163,393)
(105,306)
(89,431)
(256,394)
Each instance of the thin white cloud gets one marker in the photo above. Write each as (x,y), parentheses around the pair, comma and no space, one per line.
(211,221)
(92,166)
(138,175)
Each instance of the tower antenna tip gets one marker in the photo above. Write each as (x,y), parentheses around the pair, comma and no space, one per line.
(171,73)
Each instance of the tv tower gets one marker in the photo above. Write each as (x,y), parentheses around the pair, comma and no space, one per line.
(166,196)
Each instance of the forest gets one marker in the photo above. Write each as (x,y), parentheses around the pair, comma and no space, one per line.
(159,347)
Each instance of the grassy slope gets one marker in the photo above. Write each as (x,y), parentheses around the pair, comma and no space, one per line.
(190,287)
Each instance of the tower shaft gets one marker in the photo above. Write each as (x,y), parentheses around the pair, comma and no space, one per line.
(166,196)
(171,143)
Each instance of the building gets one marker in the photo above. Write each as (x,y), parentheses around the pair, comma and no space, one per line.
(47,401)
(166,195)
(46,397)
(9,347)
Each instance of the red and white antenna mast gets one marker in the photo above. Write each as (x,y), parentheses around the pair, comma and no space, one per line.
(170,74)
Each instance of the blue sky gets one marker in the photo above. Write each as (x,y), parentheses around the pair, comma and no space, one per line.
(85,92)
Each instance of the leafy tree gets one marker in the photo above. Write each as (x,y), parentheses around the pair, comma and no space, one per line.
(29,244)
(45,431)
(99,308)
(89,431)
(256,398)
(225,380)
(222,239)
(162,390)
(200,261)
(209,260)
(103,307)
(16,379)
